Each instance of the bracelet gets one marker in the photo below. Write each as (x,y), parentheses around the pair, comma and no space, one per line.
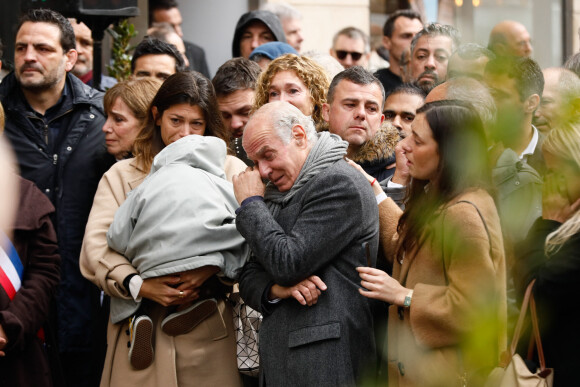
(374,181)
(408,298)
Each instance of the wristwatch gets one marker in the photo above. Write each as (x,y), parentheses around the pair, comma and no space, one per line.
(407,301)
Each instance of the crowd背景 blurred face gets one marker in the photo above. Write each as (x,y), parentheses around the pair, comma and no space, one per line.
(254,35)
(403,31)
(171,16)
(428,64)
(159,66)
(350,52)
(235,109)
(121,128)
(84,49)
(293,32)
(564,174)
(401,109)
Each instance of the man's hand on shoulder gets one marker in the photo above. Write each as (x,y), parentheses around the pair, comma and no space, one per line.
(247,184)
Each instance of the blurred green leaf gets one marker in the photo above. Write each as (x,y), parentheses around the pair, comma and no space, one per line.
(122,33)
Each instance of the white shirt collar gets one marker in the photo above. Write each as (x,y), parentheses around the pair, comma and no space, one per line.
(531,146)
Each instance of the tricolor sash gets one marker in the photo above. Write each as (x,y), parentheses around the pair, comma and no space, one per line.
(11,269)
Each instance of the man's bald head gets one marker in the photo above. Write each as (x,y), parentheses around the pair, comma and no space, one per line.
(469,90)
(560,99)
(510,38)
(438,93)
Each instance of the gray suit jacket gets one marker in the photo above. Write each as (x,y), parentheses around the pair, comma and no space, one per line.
(320,231)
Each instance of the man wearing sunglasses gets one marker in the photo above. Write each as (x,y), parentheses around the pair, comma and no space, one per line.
(351,47)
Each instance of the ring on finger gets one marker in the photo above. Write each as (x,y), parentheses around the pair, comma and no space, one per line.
(181,294)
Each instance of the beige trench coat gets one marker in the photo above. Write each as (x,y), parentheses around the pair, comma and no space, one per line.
(183,360)
(457,319)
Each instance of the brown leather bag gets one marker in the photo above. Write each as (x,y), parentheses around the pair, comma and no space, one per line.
(512,371)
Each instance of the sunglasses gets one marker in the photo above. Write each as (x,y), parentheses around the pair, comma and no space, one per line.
(341,54)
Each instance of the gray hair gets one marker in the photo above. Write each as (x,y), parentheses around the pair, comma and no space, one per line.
(472,51)
(573,63)
(353,33)
(436,29)
(161,30)
(568,83)
(286,116)
(476,93)
(282,10)
(327,61)
(283,117)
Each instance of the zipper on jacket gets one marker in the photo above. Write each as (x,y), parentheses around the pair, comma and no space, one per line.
(61,115)
(54,158)
(46,134)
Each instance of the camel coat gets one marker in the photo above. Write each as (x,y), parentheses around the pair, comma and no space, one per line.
(457,320)
(179,361)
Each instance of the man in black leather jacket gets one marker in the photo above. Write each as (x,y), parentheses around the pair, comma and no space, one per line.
(53,122)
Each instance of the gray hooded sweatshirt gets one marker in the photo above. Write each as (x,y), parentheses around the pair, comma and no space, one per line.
(180,218)
(266,17)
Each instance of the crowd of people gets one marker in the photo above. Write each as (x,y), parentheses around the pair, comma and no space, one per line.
(384,221)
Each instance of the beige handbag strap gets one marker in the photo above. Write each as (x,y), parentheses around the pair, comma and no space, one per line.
(536,329)
(528,300)
(521,318)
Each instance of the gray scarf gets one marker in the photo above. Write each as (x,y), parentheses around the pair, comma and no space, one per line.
(328,149)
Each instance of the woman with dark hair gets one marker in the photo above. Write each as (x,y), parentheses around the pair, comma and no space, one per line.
(184,105)
(447,290)
(185,98)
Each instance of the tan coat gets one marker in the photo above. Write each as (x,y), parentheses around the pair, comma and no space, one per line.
(180,361)
(458,309)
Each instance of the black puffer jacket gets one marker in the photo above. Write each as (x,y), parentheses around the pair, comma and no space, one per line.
(69,177)
(266,17)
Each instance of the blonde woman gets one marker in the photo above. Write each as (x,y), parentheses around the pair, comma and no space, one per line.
(551,255)
(297,80)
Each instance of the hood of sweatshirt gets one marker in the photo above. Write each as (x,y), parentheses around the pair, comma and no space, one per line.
(204,152)
(266,17)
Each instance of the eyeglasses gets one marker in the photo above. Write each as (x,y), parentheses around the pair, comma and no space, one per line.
(341,54)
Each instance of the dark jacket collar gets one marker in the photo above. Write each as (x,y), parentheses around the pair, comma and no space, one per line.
(79,92)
